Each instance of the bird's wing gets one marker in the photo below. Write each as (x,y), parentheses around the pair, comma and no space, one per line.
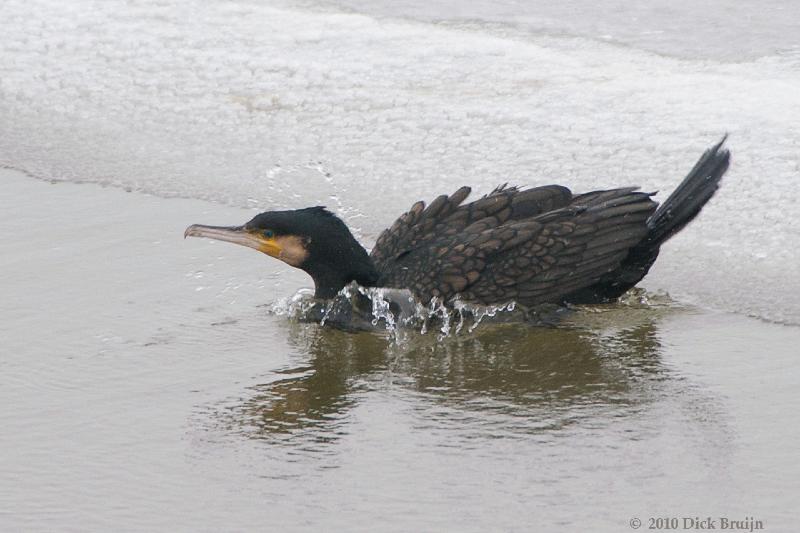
(531,260)
(421,226)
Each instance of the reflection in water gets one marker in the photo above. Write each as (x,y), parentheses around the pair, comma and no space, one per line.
(516,378)
(317,394)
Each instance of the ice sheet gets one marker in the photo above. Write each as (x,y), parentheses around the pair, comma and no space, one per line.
(253,105)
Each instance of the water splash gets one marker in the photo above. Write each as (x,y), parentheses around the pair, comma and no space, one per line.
(298,305)
(639,297)
(394,311)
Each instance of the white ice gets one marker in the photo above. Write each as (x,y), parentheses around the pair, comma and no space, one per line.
(265,106)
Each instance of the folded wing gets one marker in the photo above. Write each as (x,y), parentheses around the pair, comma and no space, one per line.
(532,246)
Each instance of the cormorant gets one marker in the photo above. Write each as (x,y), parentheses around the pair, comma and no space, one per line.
(542,245)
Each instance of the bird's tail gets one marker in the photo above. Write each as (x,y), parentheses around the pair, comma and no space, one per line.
(689,198)
(678,210)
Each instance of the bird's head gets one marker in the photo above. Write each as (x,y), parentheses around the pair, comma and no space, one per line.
(312,239)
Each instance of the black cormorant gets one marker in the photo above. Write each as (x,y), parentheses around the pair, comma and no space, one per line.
(542,245)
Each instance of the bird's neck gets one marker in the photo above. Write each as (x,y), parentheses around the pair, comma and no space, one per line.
(350,264)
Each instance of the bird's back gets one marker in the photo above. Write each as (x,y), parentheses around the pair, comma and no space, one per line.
(532,246)
(540,245)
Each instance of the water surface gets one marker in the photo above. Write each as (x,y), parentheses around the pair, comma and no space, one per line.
(147,385)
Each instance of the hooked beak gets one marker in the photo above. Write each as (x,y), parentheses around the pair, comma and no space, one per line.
(237,235)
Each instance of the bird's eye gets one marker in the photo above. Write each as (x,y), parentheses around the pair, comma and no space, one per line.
(269,234)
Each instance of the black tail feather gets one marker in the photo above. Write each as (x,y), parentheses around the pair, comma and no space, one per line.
(689,198)
(678,210)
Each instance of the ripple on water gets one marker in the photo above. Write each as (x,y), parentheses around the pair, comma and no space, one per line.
(397,312)
(498,377)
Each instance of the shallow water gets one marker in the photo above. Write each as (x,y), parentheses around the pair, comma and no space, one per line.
(146,385)
(146,382)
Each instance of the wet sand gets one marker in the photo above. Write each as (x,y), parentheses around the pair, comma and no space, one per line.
(145,386)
